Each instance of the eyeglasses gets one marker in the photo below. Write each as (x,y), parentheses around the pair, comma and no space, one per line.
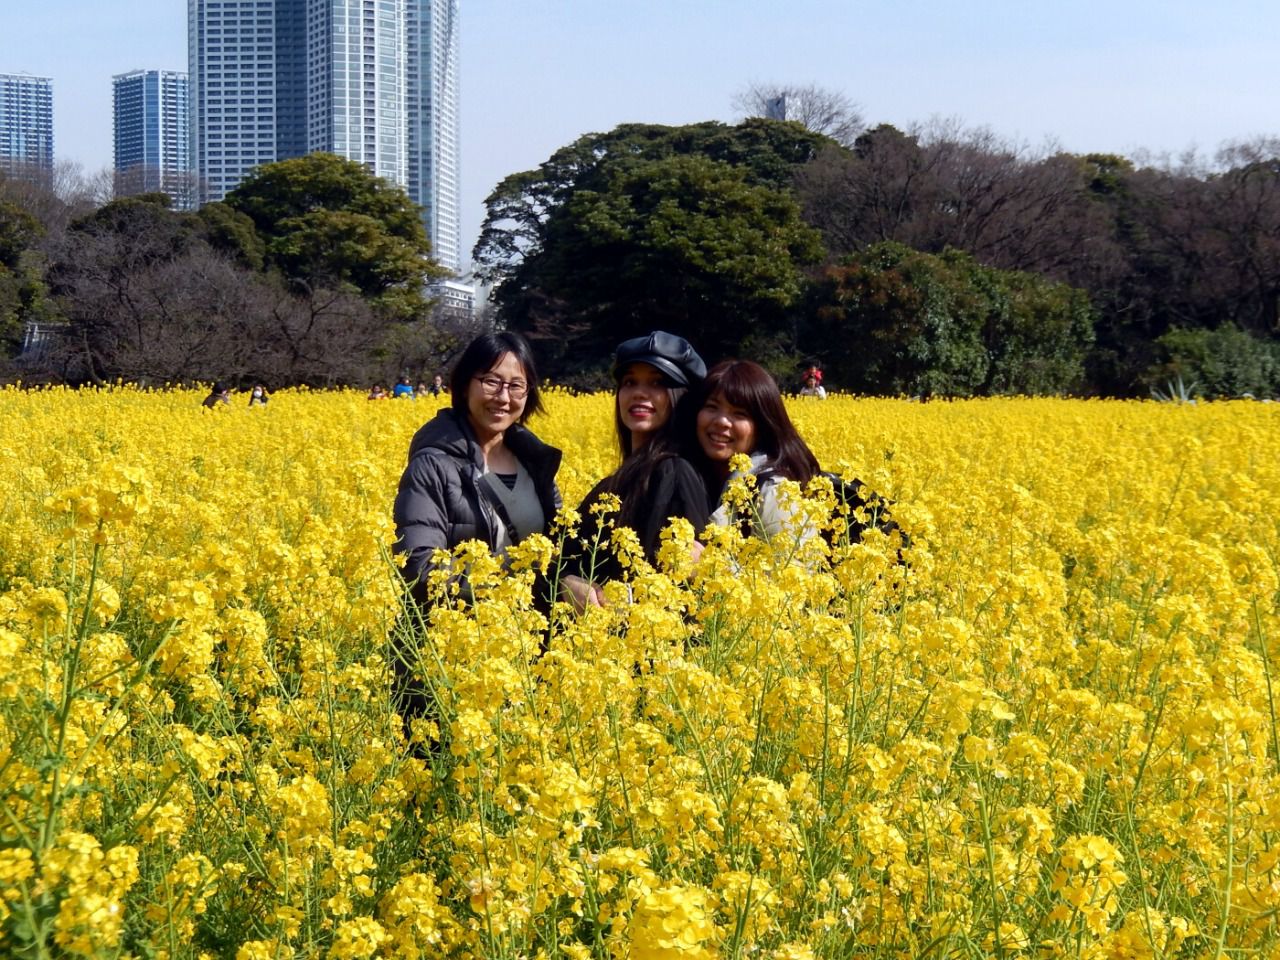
(493,387)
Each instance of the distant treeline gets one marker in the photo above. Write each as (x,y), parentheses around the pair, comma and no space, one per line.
(933,261)
(311,272)
(936,261)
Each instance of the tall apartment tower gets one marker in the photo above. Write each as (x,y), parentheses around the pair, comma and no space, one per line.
(371,80)
(356,95)
(26,125)
(435,158)
(247,69)
(152,134)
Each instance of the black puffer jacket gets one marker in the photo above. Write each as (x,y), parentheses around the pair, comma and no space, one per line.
(440,503)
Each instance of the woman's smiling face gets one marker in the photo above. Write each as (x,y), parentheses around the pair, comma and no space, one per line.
(644,401)
(724,429)
(492,413)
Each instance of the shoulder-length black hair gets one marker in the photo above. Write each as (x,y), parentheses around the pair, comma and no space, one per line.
(748,386)
(481,356)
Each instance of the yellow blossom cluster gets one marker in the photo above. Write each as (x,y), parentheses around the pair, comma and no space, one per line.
(1039,721)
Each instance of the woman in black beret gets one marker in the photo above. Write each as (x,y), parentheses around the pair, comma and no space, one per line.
(654,483)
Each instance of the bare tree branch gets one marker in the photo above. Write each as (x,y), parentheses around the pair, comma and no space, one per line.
(828,112)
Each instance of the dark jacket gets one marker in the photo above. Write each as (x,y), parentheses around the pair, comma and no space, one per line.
(441,502)
(675,490)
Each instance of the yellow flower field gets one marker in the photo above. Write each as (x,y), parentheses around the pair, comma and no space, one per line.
(1044,728)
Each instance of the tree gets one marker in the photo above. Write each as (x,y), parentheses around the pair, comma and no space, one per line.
(683,243)
(142,292)
(1038,333)
(1194,245)
(1242,220)
(327,223)
(943,186)
(150,298)
(424,348)
(23,296)
(232,233)
(688,228)
(827,112)
(145,178)
(520,208)
(904,322)
(1225,362)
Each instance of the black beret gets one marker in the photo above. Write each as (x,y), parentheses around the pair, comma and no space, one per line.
(672,355)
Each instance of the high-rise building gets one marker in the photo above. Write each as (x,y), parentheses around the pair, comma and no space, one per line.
(371,80)
(247,69)
(26,125)
(356,83)
(435,157)
(152,135)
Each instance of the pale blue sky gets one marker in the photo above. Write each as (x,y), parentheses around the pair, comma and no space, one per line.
(1092,76)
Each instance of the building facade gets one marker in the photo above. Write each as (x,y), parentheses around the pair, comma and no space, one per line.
(356,83)
(455,299)
(435,157)
(374,81)
(152,145)
(26,125)
(247,70)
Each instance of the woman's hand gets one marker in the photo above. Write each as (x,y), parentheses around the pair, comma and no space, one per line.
(695,551)
(581,593)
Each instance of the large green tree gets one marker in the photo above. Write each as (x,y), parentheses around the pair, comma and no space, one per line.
(894,320)
(689,228)
(23,296)
(327,222)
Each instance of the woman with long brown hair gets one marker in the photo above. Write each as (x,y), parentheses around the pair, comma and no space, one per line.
(736,409)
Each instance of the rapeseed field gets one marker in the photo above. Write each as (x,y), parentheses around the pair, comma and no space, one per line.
(1044,725)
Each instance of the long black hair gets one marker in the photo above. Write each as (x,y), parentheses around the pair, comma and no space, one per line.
(749,386)
(480,357)
(634,475)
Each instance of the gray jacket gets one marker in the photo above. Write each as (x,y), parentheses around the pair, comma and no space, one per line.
(441,502)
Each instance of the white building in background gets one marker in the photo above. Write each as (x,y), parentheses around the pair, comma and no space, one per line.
(26,125)
(457,300)
(246,64)
(150,110)
(374,81)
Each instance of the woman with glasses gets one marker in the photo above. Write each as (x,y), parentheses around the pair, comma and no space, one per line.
(475,471)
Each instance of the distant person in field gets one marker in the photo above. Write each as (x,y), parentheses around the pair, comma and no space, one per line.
(812,384)
(403,389)
(738,409)
(653,482)
(219,394)
(379,392)
(437,386)
(258,396)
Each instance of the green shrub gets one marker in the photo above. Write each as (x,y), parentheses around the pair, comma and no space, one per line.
(1225,362)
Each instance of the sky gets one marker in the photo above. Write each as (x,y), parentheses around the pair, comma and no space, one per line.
(1087,76)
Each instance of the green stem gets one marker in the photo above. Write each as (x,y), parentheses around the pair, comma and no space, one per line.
(988,847)
(69,691)
(1231,855)
(1266,673)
